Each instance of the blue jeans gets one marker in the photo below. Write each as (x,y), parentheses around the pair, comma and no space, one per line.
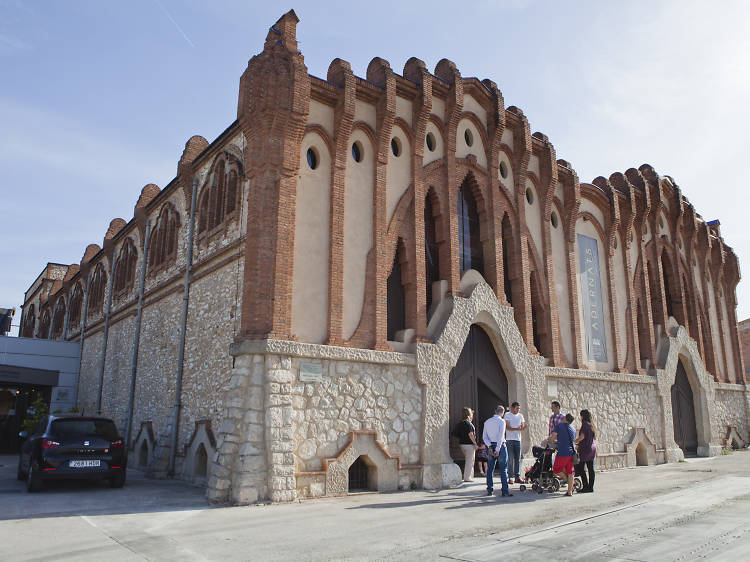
(502,462)
(514,458)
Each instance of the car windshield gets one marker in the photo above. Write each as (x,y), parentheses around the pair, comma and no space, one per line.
(93,428)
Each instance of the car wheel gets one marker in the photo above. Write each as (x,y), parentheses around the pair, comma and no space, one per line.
(21,474)
(33,480)
(118,480)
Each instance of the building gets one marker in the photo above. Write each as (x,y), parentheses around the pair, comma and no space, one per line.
(308,305)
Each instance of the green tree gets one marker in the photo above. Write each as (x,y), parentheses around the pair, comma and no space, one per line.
(40,410)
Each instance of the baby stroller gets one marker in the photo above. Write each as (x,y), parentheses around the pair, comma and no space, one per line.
(541,475)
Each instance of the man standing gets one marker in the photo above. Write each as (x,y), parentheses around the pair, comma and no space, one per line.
(494,437)
(515,424)
(565,435)
(556,417)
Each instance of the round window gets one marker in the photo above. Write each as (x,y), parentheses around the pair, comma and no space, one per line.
(396,146)
(529,196)
(357,151)
(430,140)
(503,170)
(468,137)
(553,219)
(312,158)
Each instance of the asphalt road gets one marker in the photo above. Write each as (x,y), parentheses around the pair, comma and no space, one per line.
(684,511)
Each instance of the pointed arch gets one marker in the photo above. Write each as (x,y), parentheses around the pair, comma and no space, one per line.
(470,253)
(162,251)
(431,242)
(509,246)
(44,323)
(97,289)
(396,310)
(76,305)
(124,275)
(29,322)
(59,319)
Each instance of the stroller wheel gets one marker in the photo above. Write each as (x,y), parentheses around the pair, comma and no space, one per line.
(555,485)
(577,485)
(535,487)
(522,487)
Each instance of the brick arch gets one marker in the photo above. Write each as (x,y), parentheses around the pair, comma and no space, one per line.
(471,116)
(672,291)
(97,290)
(369,132)
(439,123)
(471,208)
(162,251)
(75,307)
(220,197)
(44,322)
(125,267)
(315,129)
(58,318)
(29,322)
(403,126)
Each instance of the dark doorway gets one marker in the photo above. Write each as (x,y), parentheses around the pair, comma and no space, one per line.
(683,413)
(477,381)
(15,406)
(362,476)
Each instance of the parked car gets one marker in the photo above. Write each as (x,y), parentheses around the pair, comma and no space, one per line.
(72,446)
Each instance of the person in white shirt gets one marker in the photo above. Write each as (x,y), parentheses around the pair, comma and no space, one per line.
(494,437)
(515,425)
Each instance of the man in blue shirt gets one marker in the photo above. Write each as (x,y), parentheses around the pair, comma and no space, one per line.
(494,437)
(565,435)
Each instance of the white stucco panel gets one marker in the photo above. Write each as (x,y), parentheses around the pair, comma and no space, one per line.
(360,180)
(471,104)
(560,263)
(365,112)
(534,218)
(477,146)
(404,109)
(398,173)
(321,114)
(311,244)
(438,107)
(439,149)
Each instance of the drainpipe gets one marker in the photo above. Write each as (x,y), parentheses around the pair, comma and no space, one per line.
(137,337)
(67,315)
(183,325)
(83,332)
(106,334)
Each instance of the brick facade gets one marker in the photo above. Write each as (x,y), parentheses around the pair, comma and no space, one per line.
(665,270)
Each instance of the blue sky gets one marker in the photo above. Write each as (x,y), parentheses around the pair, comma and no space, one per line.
(98,98)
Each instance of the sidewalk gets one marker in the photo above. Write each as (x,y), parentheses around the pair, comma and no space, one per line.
(403,525)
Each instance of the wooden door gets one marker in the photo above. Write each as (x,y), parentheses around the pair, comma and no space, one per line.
(477,381)
(683,413)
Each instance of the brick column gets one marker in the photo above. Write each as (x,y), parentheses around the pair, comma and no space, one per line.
(272,111)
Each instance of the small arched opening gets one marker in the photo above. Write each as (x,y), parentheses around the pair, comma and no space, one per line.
(363,475)
(507,236)
(396,294)
(143,455)
(200,462)
(469,242)
(641,457)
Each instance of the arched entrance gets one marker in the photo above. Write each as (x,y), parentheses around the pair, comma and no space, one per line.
(477,381)
(683,413)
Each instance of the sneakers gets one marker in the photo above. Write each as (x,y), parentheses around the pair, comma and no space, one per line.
(489,492)
(507,495)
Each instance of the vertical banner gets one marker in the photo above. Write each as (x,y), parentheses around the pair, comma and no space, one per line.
(593,309)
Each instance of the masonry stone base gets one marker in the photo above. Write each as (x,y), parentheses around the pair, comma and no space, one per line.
(299,415)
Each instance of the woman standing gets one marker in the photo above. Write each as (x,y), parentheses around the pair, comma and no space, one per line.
(467,440)
(586,442)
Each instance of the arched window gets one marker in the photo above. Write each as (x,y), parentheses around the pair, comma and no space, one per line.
(29,320)
(507,236)
(396,294)
(76,304)
(671,289)
(44,324)
(691,321)
(656,303)
(219,200)
(162,244)
(469,244)
(97,289)
(59,321)
(125,268)
(431,250)
(644,339)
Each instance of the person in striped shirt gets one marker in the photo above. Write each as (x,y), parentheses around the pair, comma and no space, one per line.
(556,417)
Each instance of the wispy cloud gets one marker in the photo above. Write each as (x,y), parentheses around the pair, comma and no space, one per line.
(177,25)
(10,45)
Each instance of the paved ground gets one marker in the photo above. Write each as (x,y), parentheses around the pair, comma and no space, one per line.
(684,511)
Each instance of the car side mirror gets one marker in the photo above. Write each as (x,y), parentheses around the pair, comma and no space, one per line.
(23,434)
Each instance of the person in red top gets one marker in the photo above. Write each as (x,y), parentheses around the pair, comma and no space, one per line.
(556,417)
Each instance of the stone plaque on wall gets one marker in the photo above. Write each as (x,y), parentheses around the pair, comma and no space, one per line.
(591,299)
(310,372)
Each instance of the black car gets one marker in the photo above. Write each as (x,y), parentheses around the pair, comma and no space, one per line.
(72,446)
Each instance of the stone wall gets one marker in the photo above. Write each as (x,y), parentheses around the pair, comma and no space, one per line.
(356,396)
(617,402)
(731,409)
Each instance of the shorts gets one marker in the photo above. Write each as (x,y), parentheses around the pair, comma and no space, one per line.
(563,464)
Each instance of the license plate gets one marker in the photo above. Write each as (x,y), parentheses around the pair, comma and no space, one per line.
(84,464)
